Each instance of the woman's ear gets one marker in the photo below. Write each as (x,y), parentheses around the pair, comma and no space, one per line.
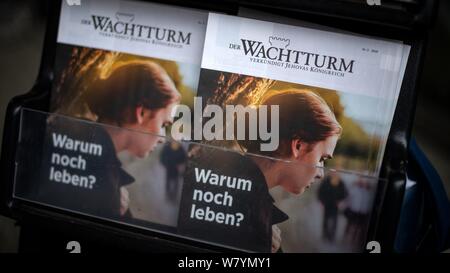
(296,145)
(139,113)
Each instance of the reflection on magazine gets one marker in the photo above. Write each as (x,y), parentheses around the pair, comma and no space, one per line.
(174,158)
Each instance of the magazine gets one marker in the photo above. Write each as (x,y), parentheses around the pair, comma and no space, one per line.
(113,56)
(333,96)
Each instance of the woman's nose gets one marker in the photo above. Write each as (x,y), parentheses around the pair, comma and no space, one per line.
(319,171)
(162,132)
(162,135)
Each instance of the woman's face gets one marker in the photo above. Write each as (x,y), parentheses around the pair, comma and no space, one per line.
(152,122)
(307,164)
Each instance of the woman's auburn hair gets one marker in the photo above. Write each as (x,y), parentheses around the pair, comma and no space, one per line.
(303,115)
(128,86)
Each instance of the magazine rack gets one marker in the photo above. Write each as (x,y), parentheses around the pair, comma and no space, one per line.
(401,20)
(71,173)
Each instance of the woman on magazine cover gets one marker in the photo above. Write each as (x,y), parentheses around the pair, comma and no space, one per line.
(308,135)
(138,97)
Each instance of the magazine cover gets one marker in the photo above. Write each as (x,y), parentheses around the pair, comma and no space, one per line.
(124,64)
(309,106)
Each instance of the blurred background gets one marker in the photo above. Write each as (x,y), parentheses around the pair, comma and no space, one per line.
(22,30)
